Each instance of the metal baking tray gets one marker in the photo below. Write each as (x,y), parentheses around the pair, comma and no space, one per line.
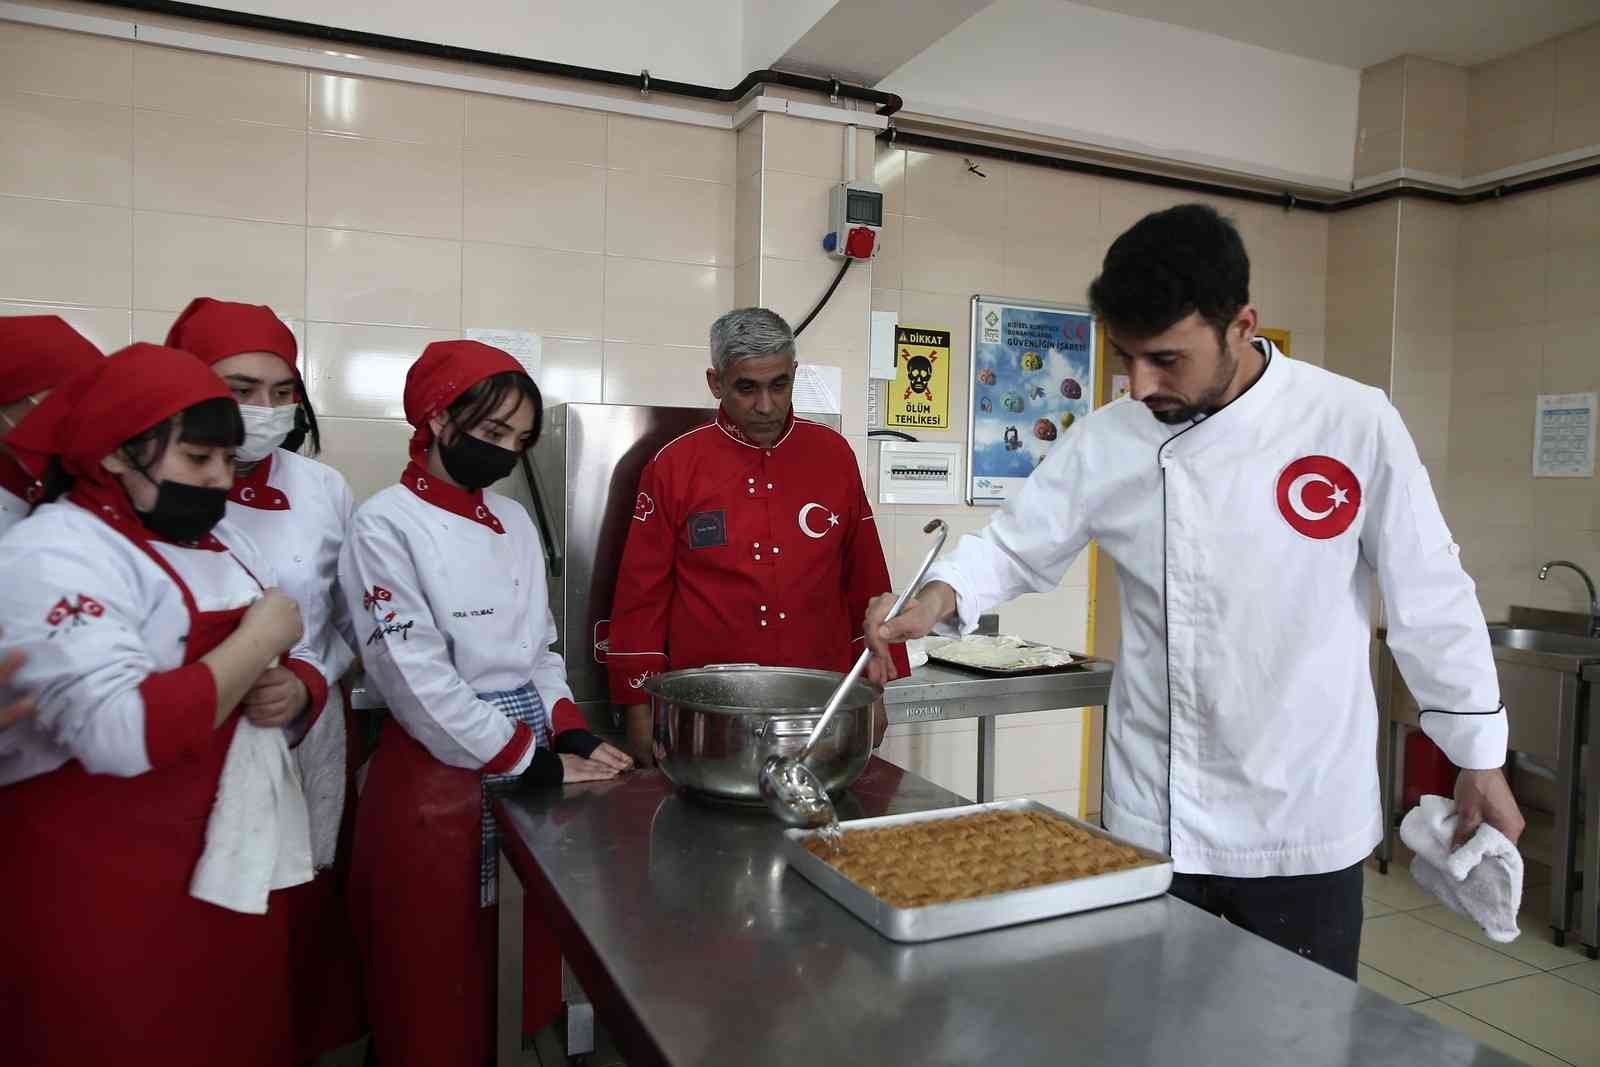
(980,913)
(1078,662)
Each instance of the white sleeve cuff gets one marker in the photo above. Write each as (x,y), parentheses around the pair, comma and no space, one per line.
(967,606)
(1474,742)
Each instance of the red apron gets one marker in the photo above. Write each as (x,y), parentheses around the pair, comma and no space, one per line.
(428,949)
(108,959)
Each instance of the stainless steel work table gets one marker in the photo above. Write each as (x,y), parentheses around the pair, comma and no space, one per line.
(934,693)
(1590,919)
(699,947)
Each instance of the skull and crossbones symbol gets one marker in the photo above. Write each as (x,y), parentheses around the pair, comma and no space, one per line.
(919,375)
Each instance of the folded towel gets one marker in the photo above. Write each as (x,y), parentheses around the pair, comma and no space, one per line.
(320,757)
(1481,880)
(258,837)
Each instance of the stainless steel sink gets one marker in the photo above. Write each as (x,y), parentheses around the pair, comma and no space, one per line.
(1573,651)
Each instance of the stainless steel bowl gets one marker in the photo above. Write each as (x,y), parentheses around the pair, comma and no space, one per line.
(715,726)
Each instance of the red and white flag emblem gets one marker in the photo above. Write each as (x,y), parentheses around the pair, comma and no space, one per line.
(1319,497)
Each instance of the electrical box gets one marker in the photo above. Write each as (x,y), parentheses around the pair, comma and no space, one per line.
(919,472)
(855,217)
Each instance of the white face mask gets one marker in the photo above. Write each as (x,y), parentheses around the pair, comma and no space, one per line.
(264,430)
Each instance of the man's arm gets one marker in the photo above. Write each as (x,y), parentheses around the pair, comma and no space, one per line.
(640,609)
(866,575)
(1437,631)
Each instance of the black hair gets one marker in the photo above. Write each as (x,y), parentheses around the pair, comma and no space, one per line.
(1168,266)
(214,422)
(485,398)
(305,425)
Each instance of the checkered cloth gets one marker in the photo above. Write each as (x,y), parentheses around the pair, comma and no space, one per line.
(520,705)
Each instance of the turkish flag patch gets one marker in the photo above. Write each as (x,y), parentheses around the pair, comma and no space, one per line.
(1319,497)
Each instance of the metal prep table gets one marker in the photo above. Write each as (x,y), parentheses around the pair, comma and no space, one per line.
(699,946)
(1590,918)
(934,693)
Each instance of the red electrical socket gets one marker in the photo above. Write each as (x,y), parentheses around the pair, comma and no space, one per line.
(860,243)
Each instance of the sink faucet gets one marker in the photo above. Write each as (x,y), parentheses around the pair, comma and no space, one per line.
(1594,600)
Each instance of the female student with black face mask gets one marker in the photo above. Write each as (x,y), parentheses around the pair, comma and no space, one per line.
(145,623)
(447,583)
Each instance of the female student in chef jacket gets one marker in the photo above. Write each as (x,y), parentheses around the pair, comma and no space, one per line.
(146,624)
(37,353)
(447,582)
(296,510)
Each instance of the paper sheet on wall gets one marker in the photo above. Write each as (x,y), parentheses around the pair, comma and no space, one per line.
(818,388)
(1563,436)
(526,348)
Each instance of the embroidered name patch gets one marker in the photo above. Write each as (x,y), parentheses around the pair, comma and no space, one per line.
(708,529)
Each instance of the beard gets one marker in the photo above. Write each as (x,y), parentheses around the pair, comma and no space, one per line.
(1210,399)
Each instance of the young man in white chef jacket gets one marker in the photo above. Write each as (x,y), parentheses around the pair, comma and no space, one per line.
(1247,500)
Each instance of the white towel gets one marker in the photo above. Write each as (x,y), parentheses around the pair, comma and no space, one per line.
(320,757)
(258,837)
(1481,880)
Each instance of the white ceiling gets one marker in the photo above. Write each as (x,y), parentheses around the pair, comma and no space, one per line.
(1360,33)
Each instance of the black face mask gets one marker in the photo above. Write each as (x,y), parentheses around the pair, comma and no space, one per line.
(475,464)
(184,512)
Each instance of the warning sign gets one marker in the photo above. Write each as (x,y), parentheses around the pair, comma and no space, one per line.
(919,396)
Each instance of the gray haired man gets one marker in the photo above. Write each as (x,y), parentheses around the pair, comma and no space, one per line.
(752,537)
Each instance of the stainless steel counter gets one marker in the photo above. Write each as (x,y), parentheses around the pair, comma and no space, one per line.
(698,946)
(933,693)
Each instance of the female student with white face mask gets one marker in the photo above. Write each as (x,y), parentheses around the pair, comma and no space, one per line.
(37,353)
(448,582)
(296,509)
(147,622)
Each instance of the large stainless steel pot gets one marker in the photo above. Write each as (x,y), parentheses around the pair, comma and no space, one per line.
(715,726)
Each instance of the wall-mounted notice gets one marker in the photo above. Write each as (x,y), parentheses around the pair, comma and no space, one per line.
(1563,436)
(919,396)
(818,388)
(522,346)
(1033,376)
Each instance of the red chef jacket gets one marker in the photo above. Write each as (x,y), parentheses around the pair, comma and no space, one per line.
(739,553)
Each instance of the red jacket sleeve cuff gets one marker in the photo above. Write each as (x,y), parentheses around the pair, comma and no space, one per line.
(629,670)
(180,708)
(521,740)
(566,716)
(316,693)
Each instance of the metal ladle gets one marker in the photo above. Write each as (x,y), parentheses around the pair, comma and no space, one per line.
(790,788)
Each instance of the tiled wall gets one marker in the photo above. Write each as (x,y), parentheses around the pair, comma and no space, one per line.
(375,216)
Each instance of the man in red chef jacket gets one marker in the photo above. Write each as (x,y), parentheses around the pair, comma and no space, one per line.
(752,540)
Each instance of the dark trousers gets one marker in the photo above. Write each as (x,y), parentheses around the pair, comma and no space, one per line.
(1317,916)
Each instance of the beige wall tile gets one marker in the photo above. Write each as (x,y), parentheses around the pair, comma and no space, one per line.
(886,300)
(948,759)
(673,149)
(1366,364)
(1041,267)
(370,453)
(1511,228)
(371,107)
(1051,204)
(952,258)
(1501,362)
(1038,759)
(1378,151)
(749,147)
(1490,148)
(656,216)
(384,186)
(1566,504)
(1574,131)
(1292,301)
(383,279)
(794,215)
(664,303)
(513,200)
(219,87)
(659,375)
(940,186)
(888,267)
(747,284)
(1571,358)
(218,167)
(1492,436)
(1363,239)
(1361,303)
(1058,717)
(74,65)
(1429,237)
(107,328)
(1424,363)
(1578,70)
(1575,214)
(1573,277)
(573,371)
(1059,617)
(804,146)
(1505,292)
(792,289)
(1382,96)
(1427,417)
(66,149)
(1435,95)
(65,253)
(1436,151)
(537,131)
(1517,87)
(532,289)
(747,220)
(1310,346)
(360,371)
(1425,300)
(179,257)
(889,174)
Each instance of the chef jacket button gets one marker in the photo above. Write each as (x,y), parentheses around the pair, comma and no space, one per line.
(769,453)
(755,544)
(297,559)
(763,607)
(752,492)
(769,485)
(752,481)
(776,550)
(781,615)
(758,555)
(763,622)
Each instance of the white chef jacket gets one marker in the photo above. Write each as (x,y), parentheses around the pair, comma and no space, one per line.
(13,509)
(95,617)
(449,596)
(296,510)
(1242,728)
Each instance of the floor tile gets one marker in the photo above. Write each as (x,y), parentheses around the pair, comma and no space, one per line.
(1561,1017)
(1373,909)
(1533,947)
(1392,988)
(1586,974)
(1396,889)
(1480,1031)
(1430,959)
